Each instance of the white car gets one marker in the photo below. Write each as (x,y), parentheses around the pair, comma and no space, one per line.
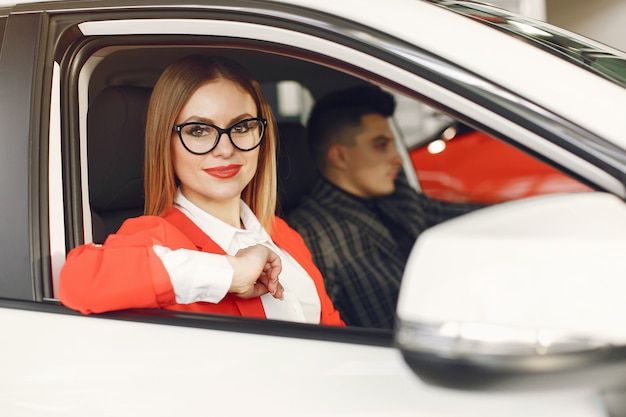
(512,310)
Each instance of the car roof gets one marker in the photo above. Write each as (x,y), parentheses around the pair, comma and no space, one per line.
(516,65)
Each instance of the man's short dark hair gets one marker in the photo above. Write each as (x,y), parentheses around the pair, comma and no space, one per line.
(341,109)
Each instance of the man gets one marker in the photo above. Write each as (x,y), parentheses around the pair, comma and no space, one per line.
(362,217)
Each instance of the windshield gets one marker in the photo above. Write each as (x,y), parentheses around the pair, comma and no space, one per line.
(596,57)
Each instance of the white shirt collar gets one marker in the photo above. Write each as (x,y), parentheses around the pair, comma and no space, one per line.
(229,238)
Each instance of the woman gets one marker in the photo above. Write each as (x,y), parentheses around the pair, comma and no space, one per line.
(204,242)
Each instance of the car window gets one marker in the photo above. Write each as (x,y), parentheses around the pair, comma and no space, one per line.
(461,164)
(452,161)
(112,77)
(457,163)
(290,100)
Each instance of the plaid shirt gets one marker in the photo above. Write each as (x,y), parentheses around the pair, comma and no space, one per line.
(359,257)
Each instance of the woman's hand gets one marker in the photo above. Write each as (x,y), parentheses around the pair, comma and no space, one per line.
(255,272)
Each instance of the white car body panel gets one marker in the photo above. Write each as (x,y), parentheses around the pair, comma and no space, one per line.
(541,77)
(506,268)
(79,375)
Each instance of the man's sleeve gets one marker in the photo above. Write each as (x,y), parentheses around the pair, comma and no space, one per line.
(437,211)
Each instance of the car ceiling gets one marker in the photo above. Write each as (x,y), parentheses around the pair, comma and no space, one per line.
(142,66)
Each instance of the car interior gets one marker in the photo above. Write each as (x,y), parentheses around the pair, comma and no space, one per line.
(119,88)
(119,91)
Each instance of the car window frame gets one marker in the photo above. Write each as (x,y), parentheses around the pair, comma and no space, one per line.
(24,157)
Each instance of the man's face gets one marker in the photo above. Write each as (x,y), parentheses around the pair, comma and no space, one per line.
(372,164)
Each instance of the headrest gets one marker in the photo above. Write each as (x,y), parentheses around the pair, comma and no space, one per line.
(296,169)
(115,146)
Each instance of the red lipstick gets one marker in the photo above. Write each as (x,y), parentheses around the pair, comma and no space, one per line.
(224,171)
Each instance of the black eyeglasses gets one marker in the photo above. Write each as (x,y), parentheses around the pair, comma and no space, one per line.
(201,138)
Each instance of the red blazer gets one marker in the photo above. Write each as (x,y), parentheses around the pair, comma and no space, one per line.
(125,272)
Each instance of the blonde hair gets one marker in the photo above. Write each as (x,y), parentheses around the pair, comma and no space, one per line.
(172,90)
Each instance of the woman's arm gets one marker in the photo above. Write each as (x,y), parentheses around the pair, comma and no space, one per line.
(149,263)
(124,272)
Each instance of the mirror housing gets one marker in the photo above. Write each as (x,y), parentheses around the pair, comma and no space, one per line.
(524,294)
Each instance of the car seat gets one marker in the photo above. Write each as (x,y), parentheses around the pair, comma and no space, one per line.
(115,147)
(296,169)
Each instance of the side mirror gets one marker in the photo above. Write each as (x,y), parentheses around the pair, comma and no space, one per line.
(525,294)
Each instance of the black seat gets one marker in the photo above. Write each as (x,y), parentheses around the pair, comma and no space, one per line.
(115,142)
(296,169)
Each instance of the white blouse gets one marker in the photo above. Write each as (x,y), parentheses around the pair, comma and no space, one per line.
(199,276)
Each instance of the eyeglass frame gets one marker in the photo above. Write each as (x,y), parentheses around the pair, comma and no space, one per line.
(179,127)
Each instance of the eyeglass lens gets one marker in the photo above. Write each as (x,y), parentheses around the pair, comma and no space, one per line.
(202,138)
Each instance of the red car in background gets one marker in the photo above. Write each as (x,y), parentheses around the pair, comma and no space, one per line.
(465,165)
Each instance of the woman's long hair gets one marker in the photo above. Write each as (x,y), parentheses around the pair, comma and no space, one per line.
(172,90)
